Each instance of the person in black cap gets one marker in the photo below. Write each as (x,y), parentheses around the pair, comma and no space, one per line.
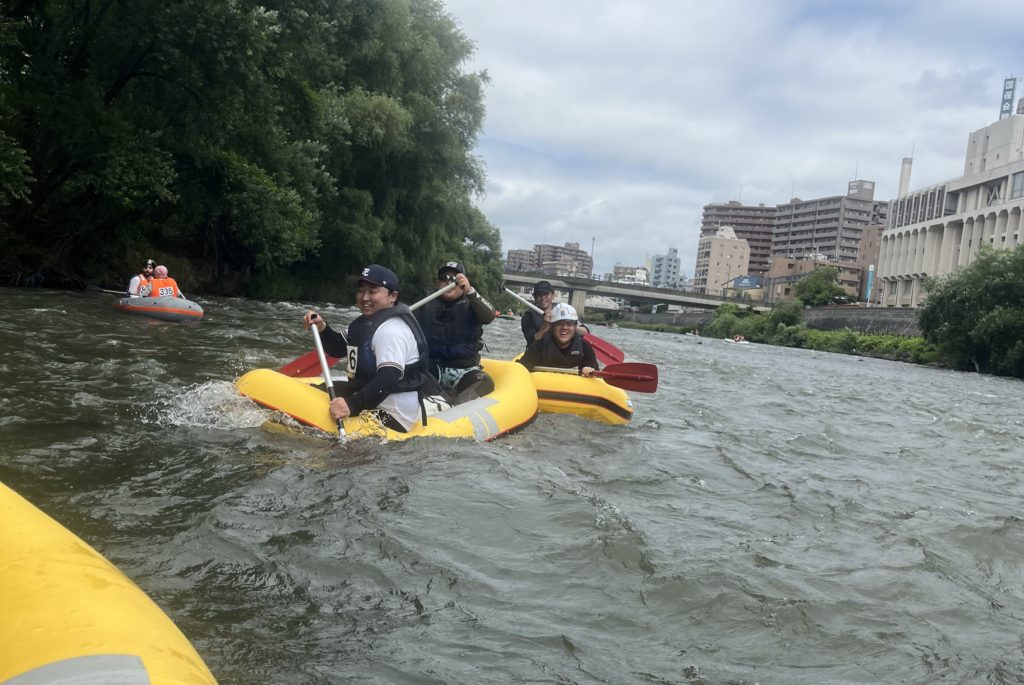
(140,281)
(385,351)
(453,325)
(536,325)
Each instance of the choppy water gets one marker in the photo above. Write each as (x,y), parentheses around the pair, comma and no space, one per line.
(771,515)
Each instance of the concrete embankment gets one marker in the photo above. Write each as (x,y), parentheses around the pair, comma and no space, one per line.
(861,319)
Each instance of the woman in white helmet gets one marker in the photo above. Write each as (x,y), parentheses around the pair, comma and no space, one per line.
(562,345)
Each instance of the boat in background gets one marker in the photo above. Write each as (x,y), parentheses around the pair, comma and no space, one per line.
(70,616)
(162,308)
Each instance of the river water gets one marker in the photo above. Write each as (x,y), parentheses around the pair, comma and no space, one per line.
(770,516)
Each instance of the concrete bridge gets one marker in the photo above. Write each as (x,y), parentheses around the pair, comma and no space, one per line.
(634,295)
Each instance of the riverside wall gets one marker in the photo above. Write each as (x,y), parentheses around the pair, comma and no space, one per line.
(882,320)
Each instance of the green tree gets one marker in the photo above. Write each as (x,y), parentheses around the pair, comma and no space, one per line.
(976,314)
(267,148)
(819,287)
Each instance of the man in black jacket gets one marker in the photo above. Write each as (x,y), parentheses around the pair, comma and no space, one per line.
(453,325)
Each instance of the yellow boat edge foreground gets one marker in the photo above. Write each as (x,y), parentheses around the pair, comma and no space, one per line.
(513,404)
(69,616)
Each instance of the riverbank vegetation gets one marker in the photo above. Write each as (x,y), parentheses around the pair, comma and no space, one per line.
(265,151)
(975,315)
(782,326)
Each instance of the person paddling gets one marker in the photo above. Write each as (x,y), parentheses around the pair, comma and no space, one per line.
(563,345)
(162,285)
(141,280)
(453,325)
(386,354)
(535,325)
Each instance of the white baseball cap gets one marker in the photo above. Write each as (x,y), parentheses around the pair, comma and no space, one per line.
(564,312)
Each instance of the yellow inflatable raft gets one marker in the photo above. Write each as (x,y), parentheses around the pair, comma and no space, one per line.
(591,398)
(67,615)
(512,405)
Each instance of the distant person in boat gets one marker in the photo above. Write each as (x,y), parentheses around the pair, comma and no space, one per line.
(162,285)
(386,354)
(141,280)
(563,345)
(454,327)
(536,325)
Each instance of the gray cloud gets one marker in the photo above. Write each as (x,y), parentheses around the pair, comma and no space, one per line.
(619,121)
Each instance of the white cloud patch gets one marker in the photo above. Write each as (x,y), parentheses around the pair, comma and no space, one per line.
(616,122)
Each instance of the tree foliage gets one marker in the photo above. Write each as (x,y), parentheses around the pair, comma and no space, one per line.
(264,148)
(819,287)
(976,314)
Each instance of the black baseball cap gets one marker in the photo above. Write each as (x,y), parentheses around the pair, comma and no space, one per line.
(377,275)
(542,287)
(149,262)
(457,267)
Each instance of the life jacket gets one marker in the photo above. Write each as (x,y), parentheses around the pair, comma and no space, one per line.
(569,358)
(164,287)
(362,362)
(144,280)
(453,333)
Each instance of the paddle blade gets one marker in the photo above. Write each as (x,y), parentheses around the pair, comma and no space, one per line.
(306,366)
(634,376)
(606,352)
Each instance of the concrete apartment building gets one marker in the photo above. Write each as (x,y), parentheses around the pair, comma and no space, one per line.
(754,224)
(933,231)
(828,227)
(664,269)
(784,272)
(556,260)
(720,259)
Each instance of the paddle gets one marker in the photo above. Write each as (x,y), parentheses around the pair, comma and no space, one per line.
(97,289)
(307,364)
(606,352)
(327,374)
(634,376)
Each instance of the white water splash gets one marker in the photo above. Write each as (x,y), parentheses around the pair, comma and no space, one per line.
(215,405)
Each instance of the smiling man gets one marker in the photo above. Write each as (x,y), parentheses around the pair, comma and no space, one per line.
(563,345)
(385,351)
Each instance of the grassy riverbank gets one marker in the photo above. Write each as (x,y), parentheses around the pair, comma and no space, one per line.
(782,327)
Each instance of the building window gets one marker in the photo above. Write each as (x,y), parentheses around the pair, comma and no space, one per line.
(1017,187)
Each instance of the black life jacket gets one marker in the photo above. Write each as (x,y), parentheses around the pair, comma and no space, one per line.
(364,361)
(552,355)
(448,325)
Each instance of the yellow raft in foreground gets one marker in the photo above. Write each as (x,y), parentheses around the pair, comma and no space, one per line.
(67,615)
(591,398)
(512,404)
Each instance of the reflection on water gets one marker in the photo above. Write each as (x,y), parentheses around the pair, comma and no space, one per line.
(771,515)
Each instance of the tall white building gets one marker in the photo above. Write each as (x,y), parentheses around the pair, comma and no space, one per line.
(664,269)
(935,230)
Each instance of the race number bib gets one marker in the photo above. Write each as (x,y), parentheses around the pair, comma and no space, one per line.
(352,361)
(165,292)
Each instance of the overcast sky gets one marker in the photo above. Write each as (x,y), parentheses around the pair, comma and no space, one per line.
(616,122)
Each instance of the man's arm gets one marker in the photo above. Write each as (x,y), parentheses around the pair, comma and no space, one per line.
(483,309)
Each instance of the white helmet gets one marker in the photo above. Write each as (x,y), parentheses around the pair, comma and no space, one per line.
(564,312)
